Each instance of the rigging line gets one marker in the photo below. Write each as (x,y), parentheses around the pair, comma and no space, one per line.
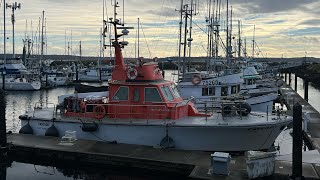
(145,40)
(200,27)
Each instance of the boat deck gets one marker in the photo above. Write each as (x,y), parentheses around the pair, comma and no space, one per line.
(253,119)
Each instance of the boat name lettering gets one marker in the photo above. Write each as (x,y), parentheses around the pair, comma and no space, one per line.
(44,124)
(210,82)
(158,109)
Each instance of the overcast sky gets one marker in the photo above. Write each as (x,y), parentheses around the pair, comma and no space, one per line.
(288,28)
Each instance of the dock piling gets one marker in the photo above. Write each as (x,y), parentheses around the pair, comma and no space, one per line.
(297,142)
(3,73)
(289,79)
(285,78)
(295,82)
(306,89)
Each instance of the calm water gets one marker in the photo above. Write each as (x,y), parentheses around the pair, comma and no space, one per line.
(20,102)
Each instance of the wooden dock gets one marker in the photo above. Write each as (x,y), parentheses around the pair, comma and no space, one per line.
(311,116)
(187,164)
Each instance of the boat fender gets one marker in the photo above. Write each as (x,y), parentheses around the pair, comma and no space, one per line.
(279,82)
(24,117)
(99,111)
(227,109)
(246,109)
(26,129)
(89,127)
(52,131)
(132,73)
(167,142)
(196,80)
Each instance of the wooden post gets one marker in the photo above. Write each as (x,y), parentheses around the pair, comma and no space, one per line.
(285,78)
(306,89)
(289,79)
(297,142)
(295,82)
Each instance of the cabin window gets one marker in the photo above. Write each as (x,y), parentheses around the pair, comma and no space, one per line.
(251,81)
(224,91)
(136,95)
(121,94)
(235,89)
(166,92)
(152,95)
(208,91)
(175,91)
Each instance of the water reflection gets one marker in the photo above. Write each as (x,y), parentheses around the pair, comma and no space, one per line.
(22,171)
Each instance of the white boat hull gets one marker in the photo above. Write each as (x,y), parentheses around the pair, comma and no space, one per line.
(188,137)
(21,86)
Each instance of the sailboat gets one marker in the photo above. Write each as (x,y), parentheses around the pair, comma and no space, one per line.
(144,109)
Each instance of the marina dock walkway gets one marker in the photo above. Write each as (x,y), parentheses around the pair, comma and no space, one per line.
(191,164)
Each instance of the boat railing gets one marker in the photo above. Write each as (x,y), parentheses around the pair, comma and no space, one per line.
(40,105)
(149,111)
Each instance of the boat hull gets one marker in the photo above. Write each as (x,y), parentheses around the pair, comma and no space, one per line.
(22,86)
(204,138)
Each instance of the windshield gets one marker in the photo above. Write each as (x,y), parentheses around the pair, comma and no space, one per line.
(175,91)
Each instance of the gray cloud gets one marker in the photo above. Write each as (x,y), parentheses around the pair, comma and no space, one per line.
(269,6)
(311,22)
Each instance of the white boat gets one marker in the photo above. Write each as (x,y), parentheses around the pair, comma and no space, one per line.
(144,109)
(54,78)
(18,78)
(93,75)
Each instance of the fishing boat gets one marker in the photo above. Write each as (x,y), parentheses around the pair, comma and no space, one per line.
(144,109)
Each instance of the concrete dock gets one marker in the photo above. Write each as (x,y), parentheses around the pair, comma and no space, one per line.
(187,164)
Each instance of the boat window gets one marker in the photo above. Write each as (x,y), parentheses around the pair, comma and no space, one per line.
(152,95)
(121,94)
(175,91)
(224,91)
(166,92)
(136,95)
(208,91)
(235,89)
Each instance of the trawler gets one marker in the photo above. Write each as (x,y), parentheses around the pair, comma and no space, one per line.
(142,108)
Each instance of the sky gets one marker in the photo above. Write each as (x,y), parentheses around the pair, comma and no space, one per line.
(283,28)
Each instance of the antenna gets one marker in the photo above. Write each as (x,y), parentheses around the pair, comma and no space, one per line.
(14,6)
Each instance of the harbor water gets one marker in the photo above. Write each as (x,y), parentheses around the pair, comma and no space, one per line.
(20,102)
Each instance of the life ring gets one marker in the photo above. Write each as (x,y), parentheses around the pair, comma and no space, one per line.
(132,73)
(196,80)
(99,111)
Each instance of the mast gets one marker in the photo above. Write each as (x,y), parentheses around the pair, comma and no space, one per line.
(185,39)
(14,6)
(4,34)
(180,38)
(239,40)
(41,58)
(227,38)
(254,31)
(138,38)
(80,51)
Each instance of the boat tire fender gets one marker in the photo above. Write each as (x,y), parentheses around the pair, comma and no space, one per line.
(227,109)
(246,109)
(89,127)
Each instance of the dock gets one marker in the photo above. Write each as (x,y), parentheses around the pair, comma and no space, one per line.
(186,164)
(311,116)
